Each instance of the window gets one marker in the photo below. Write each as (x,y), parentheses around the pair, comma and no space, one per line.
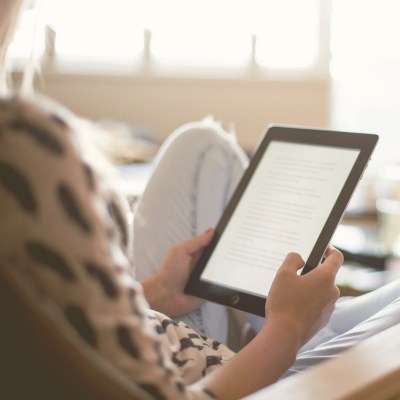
(267,35)
(365,72)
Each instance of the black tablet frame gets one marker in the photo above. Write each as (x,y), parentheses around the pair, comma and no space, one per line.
(254,303)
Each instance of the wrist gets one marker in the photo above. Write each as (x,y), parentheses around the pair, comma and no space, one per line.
(154,293)
(288,334)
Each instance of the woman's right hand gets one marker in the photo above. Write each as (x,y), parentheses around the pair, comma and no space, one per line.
(303,304)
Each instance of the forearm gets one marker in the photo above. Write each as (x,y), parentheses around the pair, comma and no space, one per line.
(258,365)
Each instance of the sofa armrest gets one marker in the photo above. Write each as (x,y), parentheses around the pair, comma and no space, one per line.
(369,371)
(42,357)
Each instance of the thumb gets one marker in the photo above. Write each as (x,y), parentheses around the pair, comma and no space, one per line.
(292,262)
(197,243)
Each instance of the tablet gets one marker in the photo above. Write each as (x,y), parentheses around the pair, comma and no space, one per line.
(290,199)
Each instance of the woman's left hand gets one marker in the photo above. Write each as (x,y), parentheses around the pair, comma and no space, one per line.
(164,291)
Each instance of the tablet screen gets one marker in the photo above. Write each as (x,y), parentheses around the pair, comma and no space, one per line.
(283,209)
(290,199)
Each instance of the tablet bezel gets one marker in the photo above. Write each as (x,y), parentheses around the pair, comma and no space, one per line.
(254,303)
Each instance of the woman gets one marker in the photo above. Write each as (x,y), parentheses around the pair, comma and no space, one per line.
(64,224)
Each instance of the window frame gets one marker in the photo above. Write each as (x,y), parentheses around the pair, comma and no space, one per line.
(145,65)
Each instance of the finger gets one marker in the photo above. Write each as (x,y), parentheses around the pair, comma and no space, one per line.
(330,249)
(293,262)
(333,259)
(198,243)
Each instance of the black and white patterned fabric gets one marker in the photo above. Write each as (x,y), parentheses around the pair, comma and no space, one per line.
(63,220)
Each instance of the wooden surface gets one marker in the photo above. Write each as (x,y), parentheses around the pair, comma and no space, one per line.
(369,371)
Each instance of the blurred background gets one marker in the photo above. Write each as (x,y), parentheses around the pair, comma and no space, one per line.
(161,63)
(144,67)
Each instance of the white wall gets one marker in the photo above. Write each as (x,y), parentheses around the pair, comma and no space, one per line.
(165,103)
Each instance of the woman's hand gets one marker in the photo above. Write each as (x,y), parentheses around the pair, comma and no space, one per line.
(296,307)
(164,291)
(303,304)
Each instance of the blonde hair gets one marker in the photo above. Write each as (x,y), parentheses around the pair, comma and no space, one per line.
(10,15)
